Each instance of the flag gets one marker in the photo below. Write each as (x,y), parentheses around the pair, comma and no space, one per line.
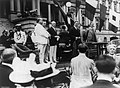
(102,15)
(113,21)
(62,12)
(65,16)
(90,9)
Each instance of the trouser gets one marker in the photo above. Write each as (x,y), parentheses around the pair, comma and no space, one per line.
(47,51)
(53,50)
(42,48)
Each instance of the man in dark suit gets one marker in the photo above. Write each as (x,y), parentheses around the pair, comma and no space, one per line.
(106,67)
(75,37)
(75,32)
(53,41)
(5,68)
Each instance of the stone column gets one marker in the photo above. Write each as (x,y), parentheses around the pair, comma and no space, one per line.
(38,7)
(107,23)
(107,4)
(118,7)
(12,5)
(33,4)
(18,6)
(49,12)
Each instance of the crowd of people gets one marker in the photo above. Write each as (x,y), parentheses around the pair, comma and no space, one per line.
(47,39)
(104,72)
(29,58)
(16,72)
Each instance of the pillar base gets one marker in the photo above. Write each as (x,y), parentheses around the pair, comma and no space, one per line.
(13,16)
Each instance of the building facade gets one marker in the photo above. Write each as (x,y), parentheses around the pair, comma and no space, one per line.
(12,9)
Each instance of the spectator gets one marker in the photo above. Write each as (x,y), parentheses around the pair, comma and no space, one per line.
(6,68)
(19,35)
(105,66)
(21,74)
(29,43)
(117,60)
(64,36)
(114,51)
(81,68)
(111,48)
(20,40)
(53,41)
(65,44)
(3,38)
(10,39)
(91,36)
(76,37)
(116,79)
(75,32)
(25,72)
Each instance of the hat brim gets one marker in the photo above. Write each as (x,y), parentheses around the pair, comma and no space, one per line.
(20,78)
(55,72)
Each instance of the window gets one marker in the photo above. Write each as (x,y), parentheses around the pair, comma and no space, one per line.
(114,18)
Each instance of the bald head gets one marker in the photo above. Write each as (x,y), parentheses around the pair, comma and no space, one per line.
(8,55)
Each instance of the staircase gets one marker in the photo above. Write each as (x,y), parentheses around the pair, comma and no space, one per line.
(27,23)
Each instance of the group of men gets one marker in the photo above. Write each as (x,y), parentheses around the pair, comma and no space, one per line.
(44,38)
(105,66)
(87,73)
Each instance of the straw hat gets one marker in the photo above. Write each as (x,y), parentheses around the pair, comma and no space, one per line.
(18,77)
(21,71)
(54,73)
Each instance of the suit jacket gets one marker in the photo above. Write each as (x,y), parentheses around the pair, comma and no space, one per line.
(4,77)
(75,33)
(53,33)
(102,84)
(65,38)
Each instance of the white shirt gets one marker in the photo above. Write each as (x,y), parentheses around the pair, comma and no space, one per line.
(40,35)
(81,75)
(104,77)
(20,37)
